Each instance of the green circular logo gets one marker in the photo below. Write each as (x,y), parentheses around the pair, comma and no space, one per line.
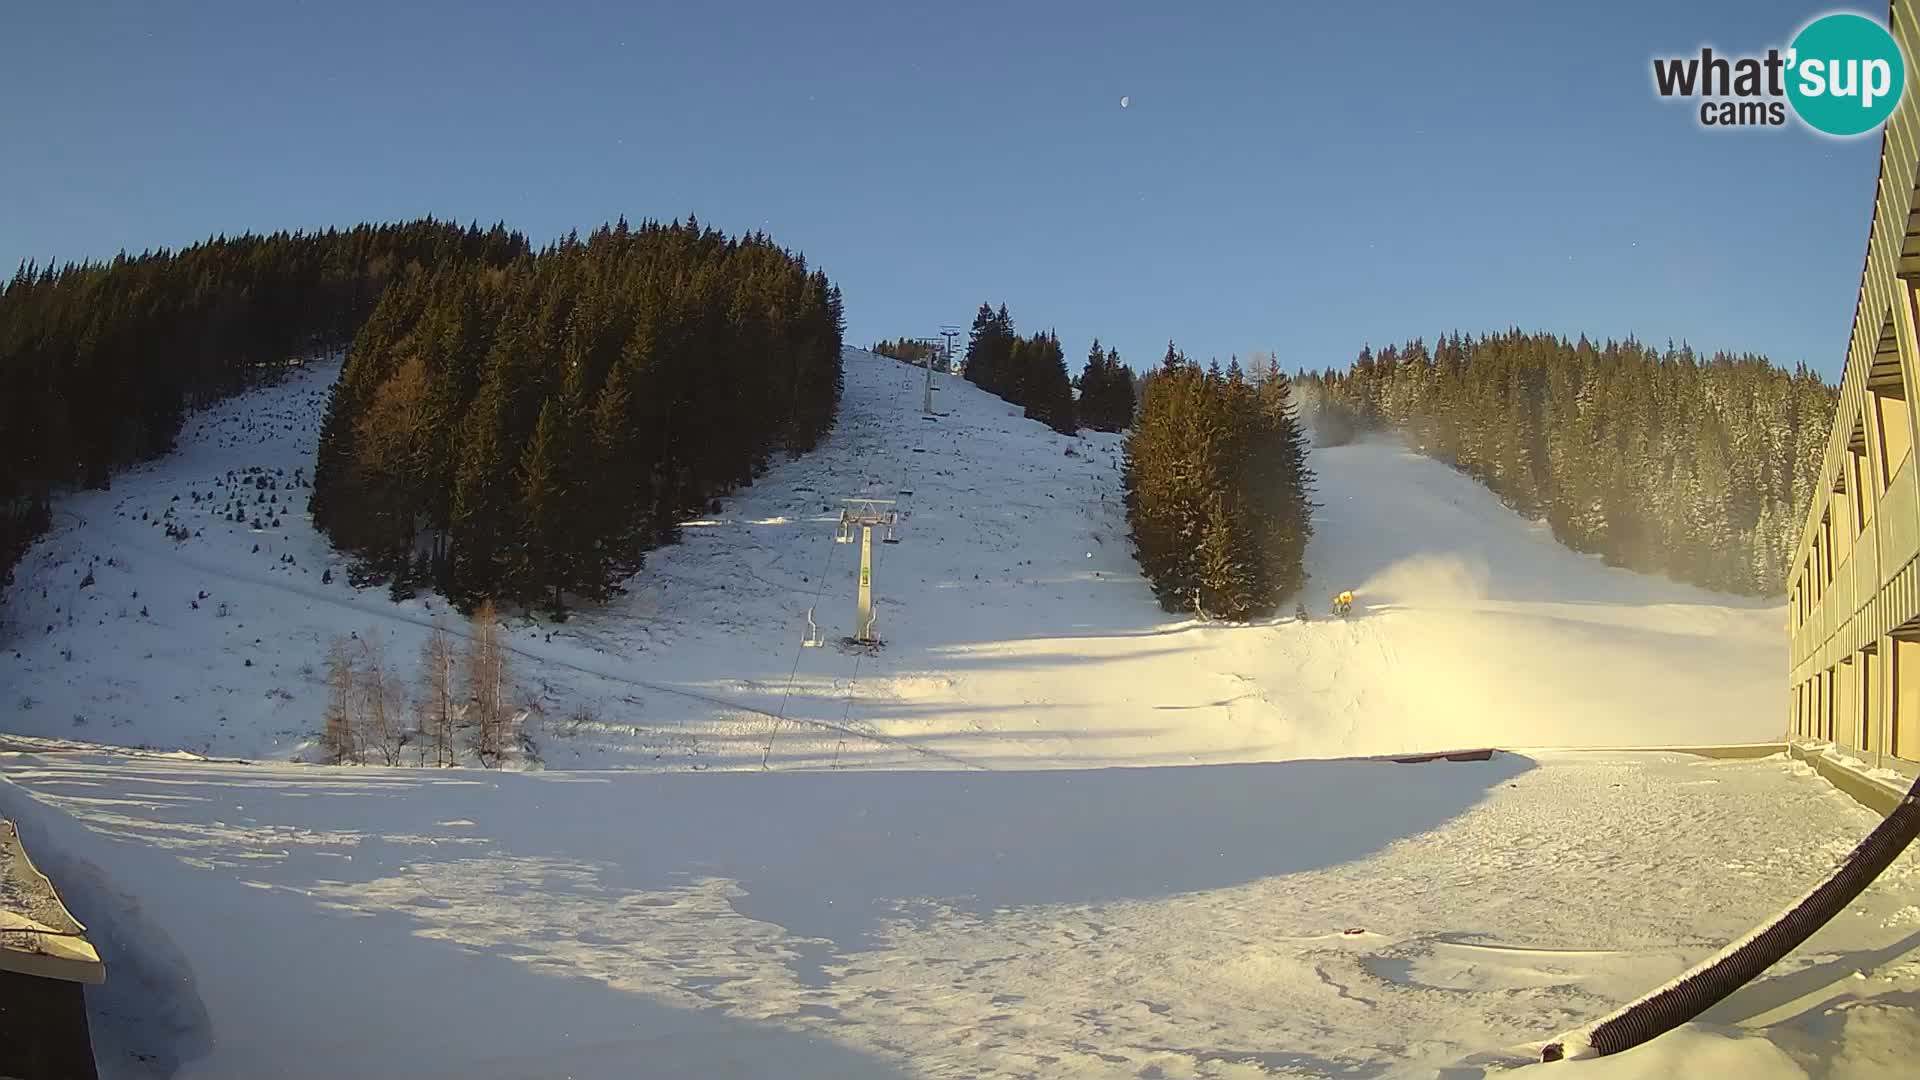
(1845,74)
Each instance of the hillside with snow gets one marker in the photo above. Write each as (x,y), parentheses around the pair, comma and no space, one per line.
(726,854)
(1018,630)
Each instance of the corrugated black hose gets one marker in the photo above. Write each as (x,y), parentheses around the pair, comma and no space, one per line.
(1732,967)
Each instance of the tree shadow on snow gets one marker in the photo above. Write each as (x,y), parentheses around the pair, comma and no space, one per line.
(247,974)
(458,919)
(830,854)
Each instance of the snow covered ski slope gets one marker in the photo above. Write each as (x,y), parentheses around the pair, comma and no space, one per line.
(1018,631)
(936,876)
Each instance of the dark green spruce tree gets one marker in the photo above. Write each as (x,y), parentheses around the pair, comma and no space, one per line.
(1106,391)
(100,361)
(1046,391)
(1123,387)
(989,358)
(546,422)
(1217,490)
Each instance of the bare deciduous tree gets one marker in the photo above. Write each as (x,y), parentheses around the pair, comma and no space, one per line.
(337,735)
(487,681)
(367,709)
(382,701)
(437,705)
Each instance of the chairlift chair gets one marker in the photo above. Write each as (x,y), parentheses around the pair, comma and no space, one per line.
(814,639)
(844,535)
(890,538)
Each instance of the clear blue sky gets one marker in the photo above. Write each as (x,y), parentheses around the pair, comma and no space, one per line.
(1288,177)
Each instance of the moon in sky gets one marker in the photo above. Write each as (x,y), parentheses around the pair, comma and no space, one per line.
(1125,101)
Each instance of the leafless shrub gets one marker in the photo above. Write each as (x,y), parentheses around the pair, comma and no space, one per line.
(579,720)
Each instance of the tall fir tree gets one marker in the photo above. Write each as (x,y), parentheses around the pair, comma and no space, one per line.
(1093,403)
(1217,490)
(1124,385)
(542,564)
(1045,387)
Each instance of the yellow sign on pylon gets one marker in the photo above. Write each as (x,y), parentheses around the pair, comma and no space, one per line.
(866,513)
(863,617)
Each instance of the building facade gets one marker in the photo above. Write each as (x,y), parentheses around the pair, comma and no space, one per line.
(1854,585)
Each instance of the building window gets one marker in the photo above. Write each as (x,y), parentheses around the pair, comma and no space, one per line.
(1886,386)
(1857,475)
(1896,434)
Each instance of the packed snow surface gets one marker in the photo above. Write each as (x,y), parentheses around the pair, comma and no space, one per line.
(748,858)
(1322,918)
